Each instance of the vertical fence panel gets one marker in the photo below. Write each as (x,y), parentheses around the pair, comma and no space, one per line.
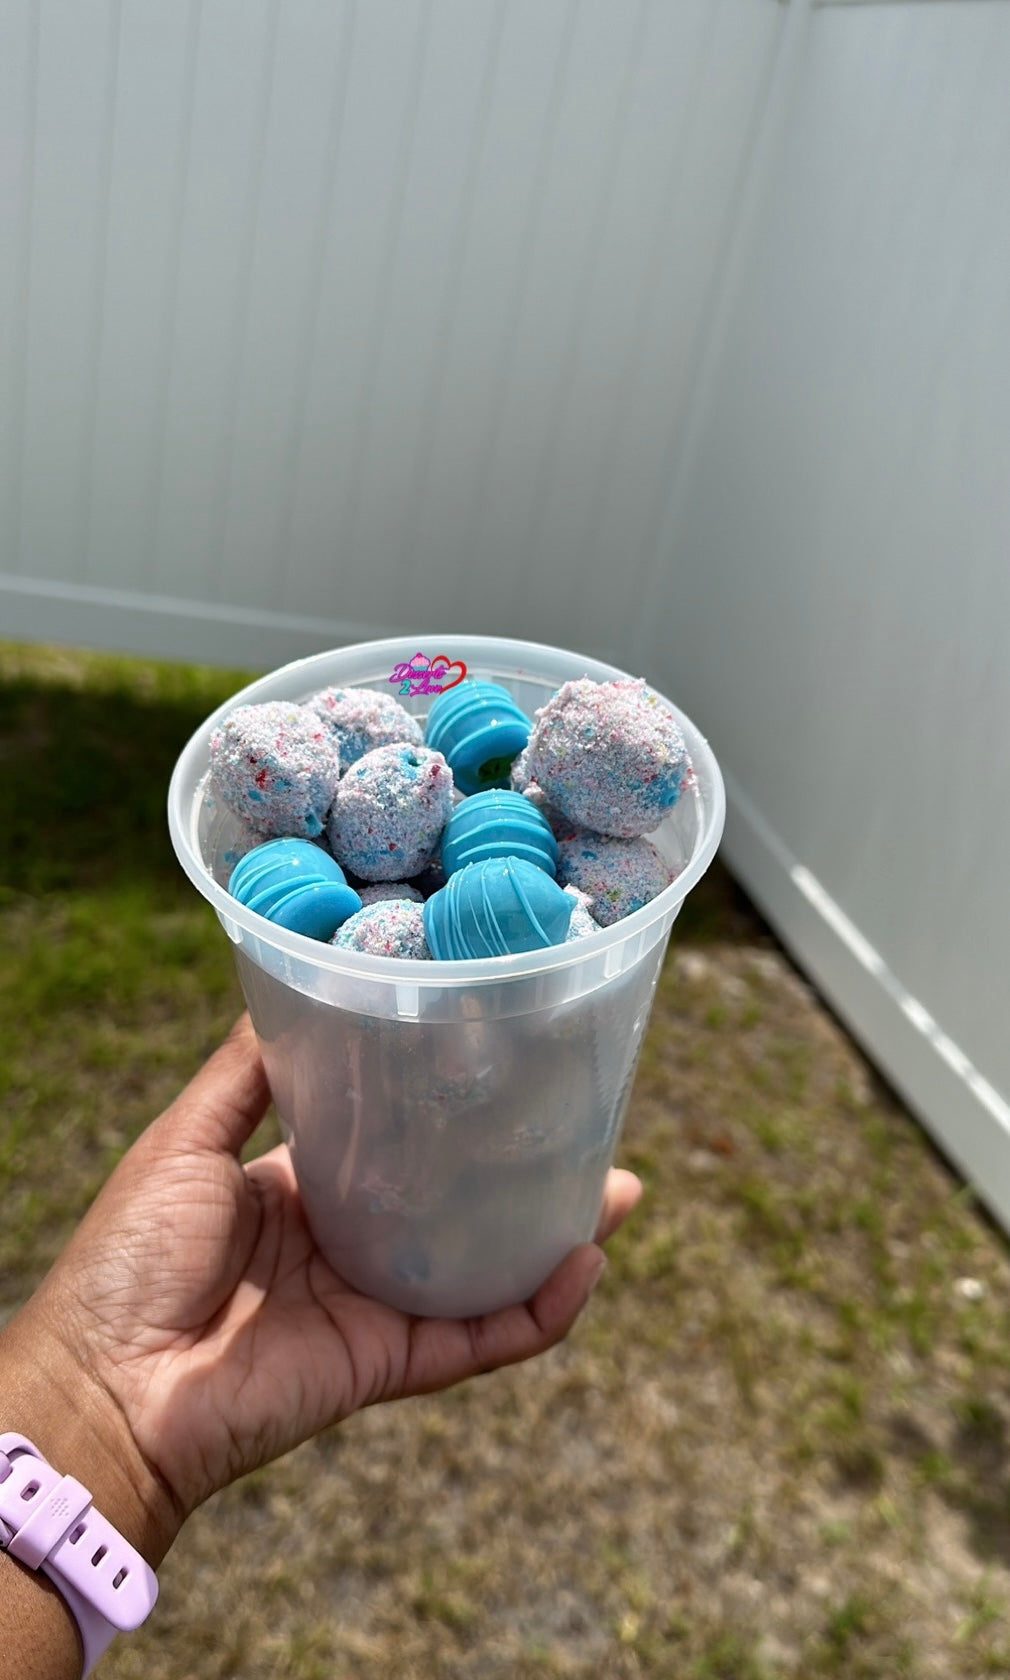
(841,613)
(338,316)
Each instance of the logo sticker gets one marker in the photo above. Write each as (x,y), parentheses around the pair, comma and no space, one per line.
(422,675)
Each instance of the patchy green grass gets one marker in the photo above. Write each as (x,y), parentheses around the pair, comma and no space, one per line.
(111,962)
(777,1446)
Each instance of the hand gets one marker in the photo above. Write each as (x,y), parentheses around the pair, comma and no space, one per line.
(202,1326)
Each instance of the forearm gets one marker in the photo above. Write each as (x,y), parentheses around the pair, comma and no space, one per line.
(53,1399)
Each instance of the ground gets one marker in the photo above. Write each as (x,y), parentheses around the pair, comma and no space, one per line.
(776,1446)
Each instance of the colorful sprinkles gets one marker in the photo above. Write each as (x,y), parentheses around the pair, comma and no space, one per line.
(608,755)
(619,876)
(392,928)
(277,767)
(389,812)
(362,719)
(605,764)
(378,891)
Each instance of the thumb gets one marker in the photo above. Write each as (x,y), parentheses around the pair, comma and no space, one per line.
(221,1107)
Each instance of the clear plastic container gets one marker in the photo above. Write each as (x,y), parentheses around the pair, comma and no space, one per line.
(451,1124)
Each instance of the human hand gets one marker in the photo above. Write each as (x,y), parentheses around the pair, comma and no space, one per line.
(203,1333)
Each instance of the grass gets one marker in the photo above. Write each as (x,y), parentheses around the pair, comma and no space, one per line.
(776,1446)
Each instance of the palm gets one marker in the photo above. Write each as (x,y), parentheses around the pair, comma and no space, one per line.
(247,1341)
(227,1337)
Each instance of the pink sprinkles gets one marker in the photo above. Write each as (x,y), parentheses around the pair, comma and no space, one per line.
(276,767)
(618,875)
(389,812)
(608,755)
(605,763)
(382,890)
(392,928)
(362,719)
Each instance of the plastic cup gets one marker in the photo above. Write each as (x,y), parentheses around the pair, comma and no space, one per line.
(451,1124)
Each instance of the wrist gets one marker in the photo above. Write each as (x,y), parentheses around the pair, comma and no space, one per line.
(52,1391)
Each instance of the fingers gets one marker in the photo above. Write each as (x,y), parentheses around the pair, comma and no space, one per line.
(275,1162)
(221,1107)
(446,1351)
(622,1194)
(275,1169)
(558,1302)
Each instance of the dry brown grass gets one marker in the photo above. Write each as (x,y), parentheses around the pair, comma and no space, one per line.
(776,1446)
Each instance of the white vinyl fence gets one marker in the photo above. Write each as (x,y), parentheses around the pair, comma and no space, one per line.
(836,563)
(319,318)
(674,330)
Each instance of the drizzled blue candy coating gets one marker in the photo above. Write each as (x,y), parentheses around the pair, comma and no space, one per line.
(498,824)
(296,885)
(479,729)
(494,909)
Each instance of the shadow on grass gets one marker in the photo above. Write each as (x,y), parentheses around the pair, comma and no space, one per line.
(972,1476)
(980,1488)
(84,774)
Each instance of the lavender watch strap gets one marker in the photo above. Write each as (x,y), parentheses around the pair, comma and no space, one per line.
(47,1521)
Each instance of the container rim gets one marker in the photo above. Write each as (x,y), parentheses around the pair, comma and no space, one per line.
(186,786)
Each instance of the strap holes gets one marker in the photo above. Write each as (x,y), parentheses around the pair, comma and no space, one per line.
(30,1491)
(96,1560)
(120,1578)
(77,1532)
